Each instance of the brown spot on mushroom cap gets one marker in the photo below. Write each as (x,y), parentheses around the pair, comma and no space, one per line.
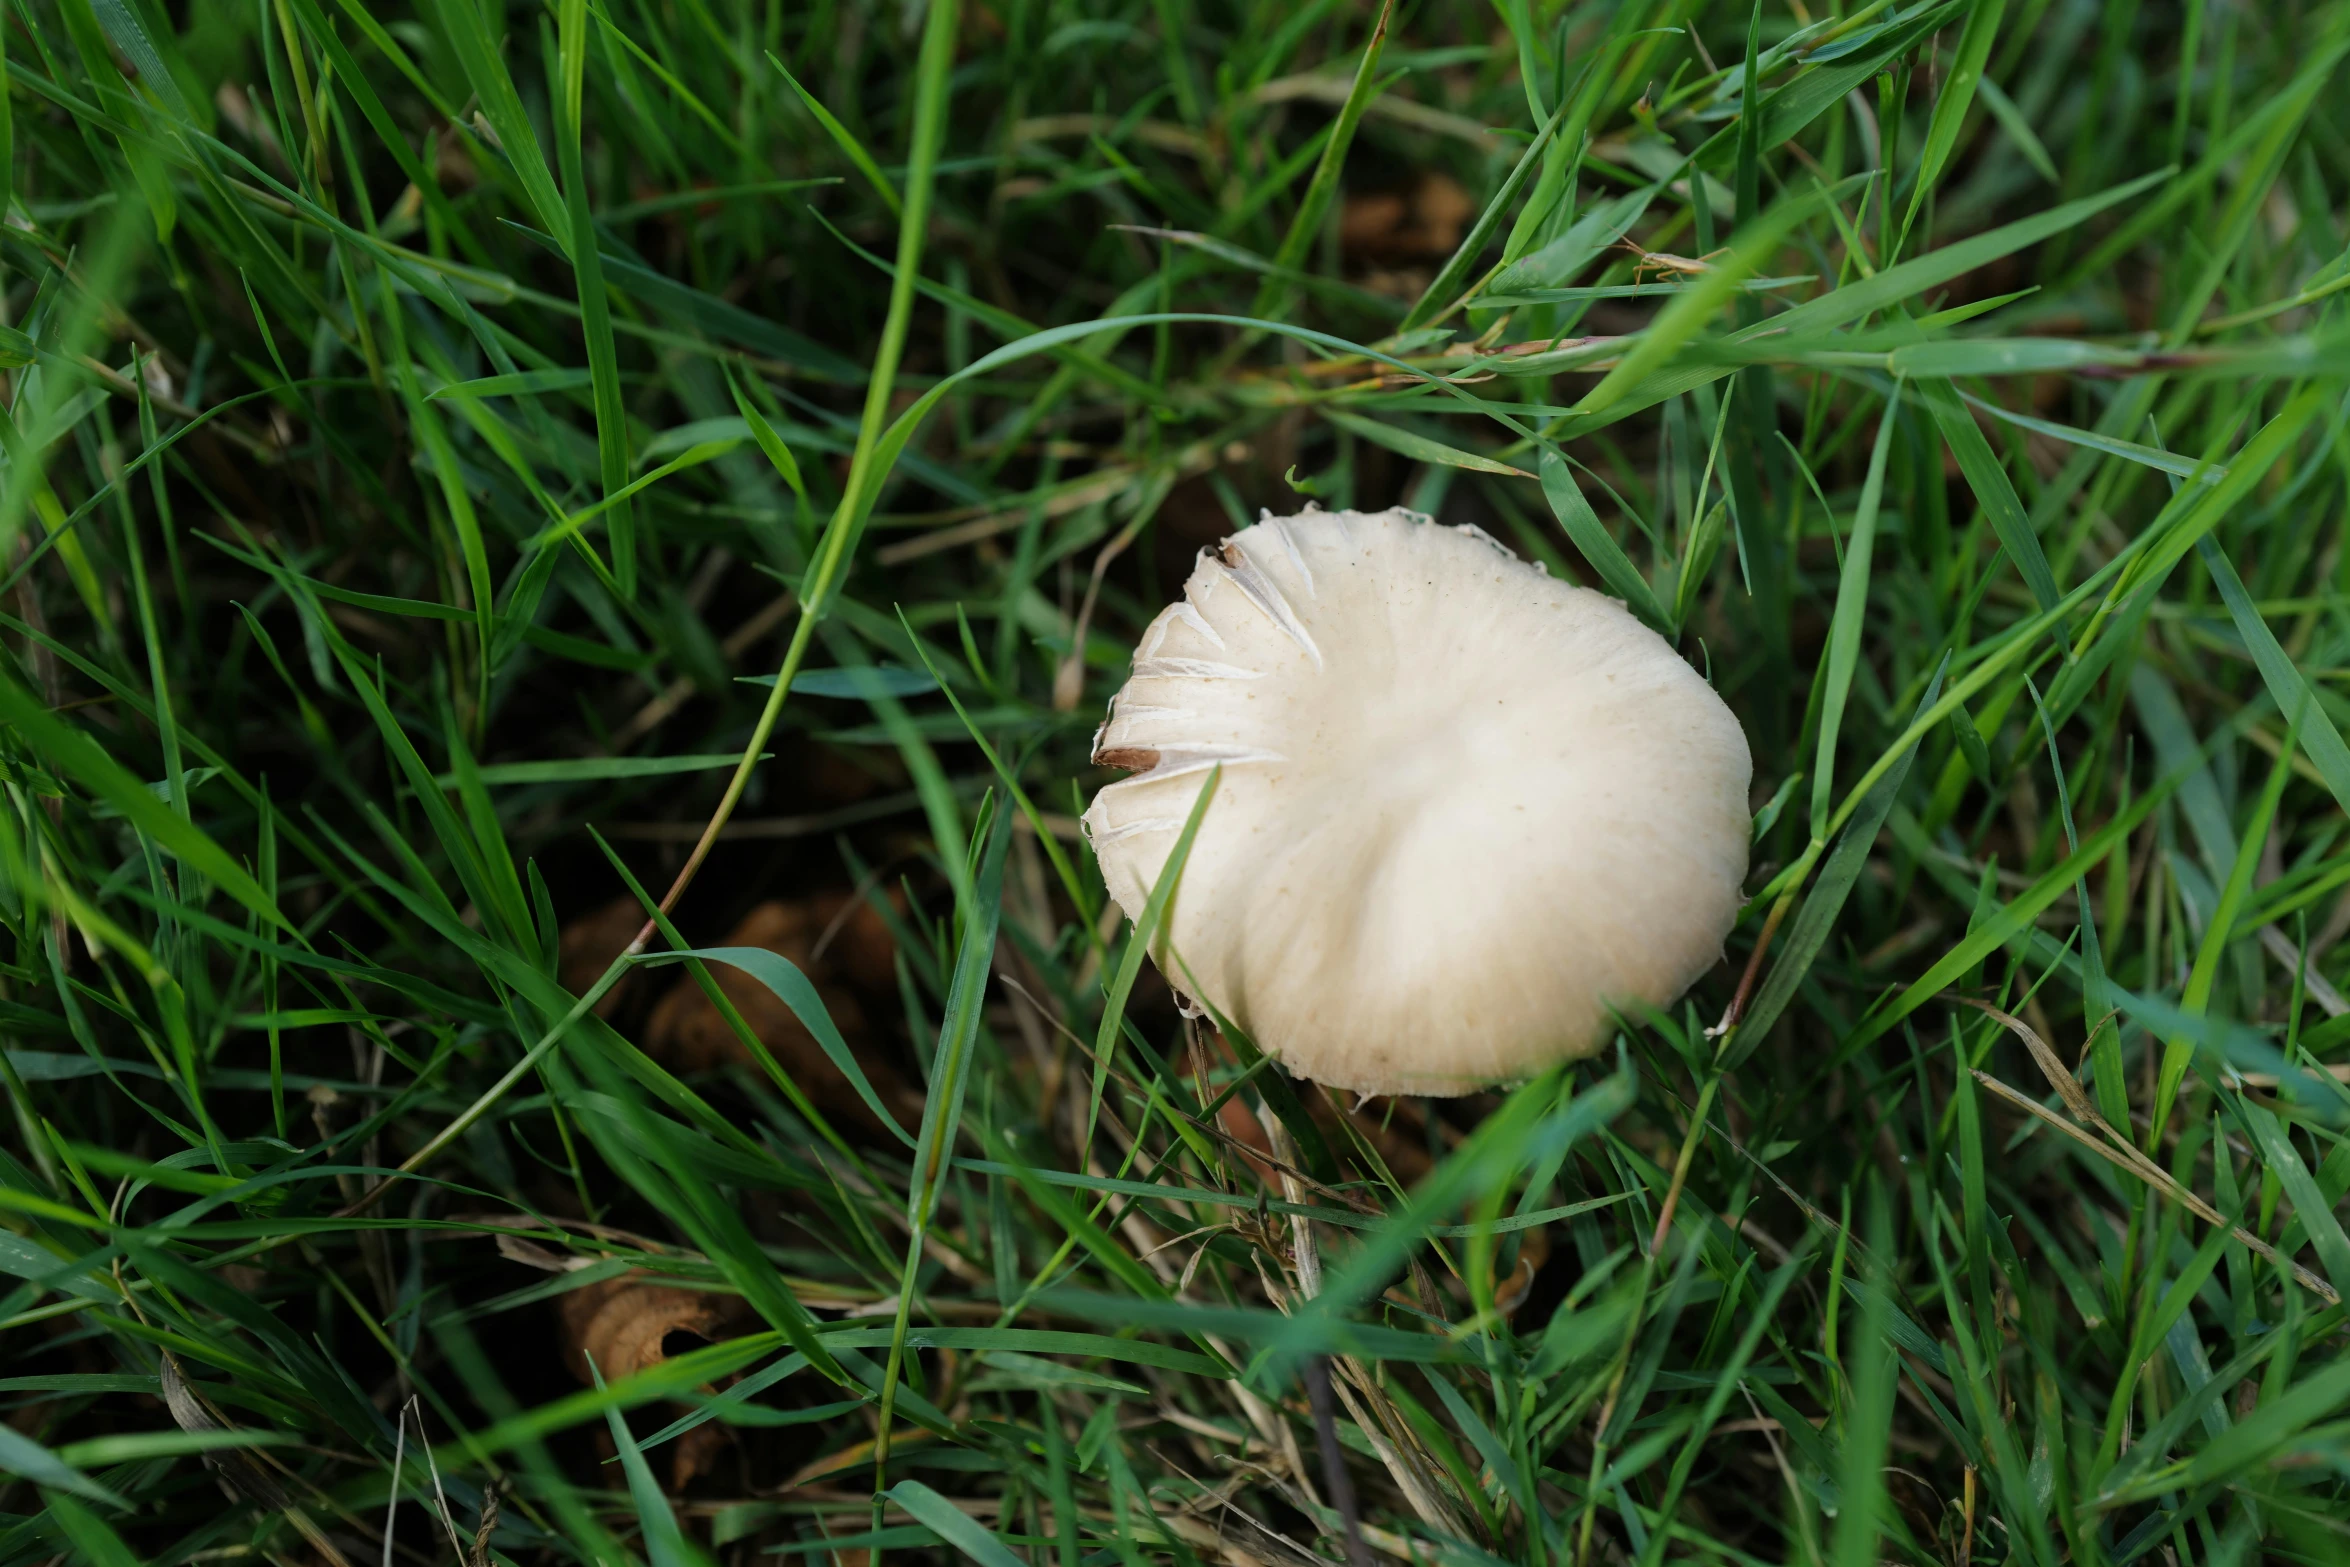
(1133,759)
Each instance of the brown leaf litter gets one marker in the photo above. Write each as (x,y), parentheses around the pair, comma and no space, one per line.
(1423,221)
(634,1323)
(844,948)
(835,938)
(589,945)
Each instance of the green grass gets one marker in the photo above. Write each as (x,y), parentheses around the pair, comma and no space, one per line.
(468,464)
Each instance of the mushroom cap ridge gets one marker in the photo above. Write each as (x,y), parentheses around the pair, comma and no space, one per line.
(1464,806)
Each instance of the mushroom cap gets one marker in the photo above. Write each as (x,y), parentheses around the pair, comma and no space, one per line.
(1464,807)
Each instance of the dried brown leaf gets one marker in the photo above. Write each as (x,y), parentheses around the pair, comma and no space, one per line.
(631,1323)
(635,1322)
(1422,222)
(855,941)
(696,1453)
(1533,1251)
(592,943)
(837,942)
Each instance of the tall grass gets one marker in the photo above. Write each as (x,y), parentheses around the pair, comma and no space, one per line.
(467,464)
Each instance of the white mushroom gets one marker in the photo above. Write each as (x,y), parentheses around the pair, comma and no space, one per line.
(1465,808)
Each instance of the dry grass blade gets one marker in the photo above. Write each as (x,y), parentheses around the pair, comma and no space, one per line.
(480,1554)
(678,692)
(2160,1181)
(2321,991)
(240,1472)
(237,1470)
(2052,1067)
(2339,1072)
(2117,1148)
(1373,1413)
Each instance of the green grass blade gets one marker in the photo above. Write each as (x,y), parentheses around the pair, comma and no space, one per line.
(595,308)
(1994,491)
(845,140)
(74,753)
(1420,448)
(1951,104)
(2290,689)
(2220,926)
(1433,300)
(468,36)
(1844,626)
(1866,1426)
(1690,311)
(664,1542)
(21,1455)
(92,1538)
(951,1524)
(2010,920)
(1305,226)
(1607,557)
(1809,933)
(942,1110)
(795,990)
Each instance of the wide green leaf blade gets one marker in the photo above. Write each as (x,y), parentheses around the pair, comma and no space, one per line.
(1599,547)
